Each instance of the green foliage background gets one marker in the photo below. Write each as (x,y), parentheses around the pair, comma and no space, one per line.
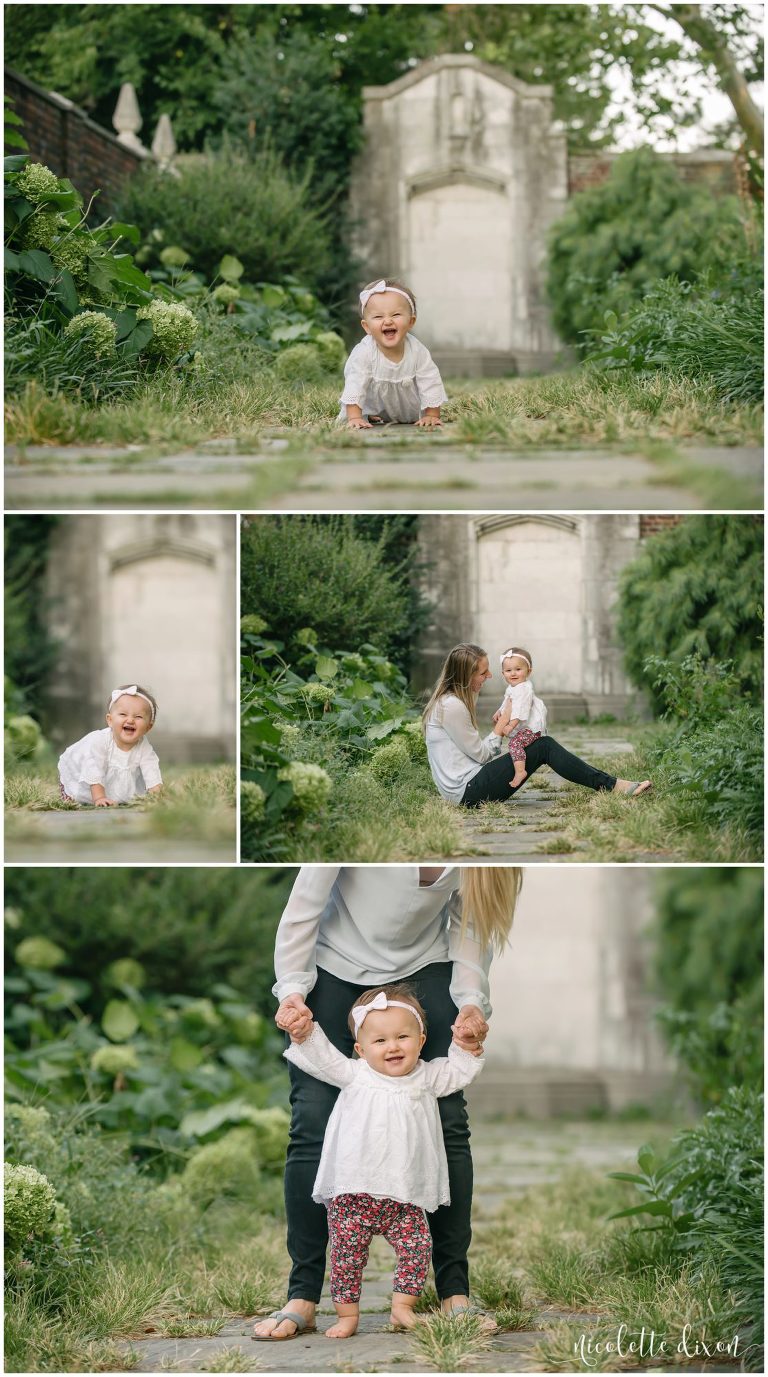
(189,927)
(29,648)
(697,588)
(616,240)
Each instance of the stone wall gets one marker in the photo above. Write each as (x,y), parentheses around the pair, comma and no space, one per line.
(148,599)
(63,137)
(714,167)
(573,1026)
(546,582)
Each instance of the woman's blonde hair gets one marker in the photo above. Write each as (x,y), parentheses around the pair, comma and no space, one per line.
(456,677)
(489,894)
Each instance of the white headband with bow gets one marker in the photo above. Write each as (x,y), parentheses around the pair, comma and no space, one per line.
(133,692)
(514,654)
(381,286)
(360,1011)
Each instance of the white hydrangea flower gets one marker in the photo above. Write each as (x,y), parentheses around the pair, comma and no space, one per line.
(96,328)
(37,182)
(312,785)
(173,327)
(30,1200)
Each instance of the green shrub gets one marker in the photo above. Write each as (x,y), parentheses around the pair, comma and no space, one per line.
(286,561)
(227,203)
(300,363)
(23,738)
(389,761)
(617,240)
(709,329)
(229,1167)
(697,588)
(29,1202)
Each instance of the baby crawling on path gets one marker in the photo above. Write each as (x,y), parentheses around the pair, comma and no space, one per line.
(390,375)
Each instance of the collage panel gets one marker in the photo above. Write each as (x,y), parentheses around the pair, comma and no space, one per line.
(384,688)
(595,1072)
(121,735)
(527,687)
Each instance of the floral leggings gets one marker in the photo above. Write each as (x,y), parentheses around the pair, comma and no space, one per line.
(518,742)
(352,1222)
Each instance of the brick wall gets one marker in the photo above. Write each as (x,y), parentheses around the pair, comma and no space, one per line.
(656,522)
(712,166)
(63,137)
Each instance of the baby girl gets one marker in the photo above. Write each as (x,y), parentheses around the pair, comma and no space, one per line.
(383,1162)
(521,707)
(390,376)
(116,763)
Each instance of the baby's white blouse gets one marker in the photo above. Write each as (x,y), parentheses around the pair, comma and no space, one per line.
(398,391)
(384,1136)
(95,759)
(526,707)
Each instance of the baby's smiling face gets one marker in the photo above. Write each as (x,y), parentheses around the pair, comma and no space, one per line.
(129,718)
(515,670)
(387,318)
(390,1040)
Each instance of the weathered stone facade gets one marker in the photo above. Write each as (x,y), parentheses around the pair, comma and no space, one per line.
(574,1024)
(546,582)
(148,599)
(462,174)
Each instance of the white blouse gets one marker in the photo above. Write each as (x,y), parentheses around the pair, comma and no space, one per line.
(95,759)
(397,391)
(375,925)
(455,748)
(529,710)
(384,1136)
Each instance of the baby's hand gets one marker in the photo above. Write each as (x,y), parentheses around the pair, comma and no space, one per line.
(469,1030)
(496,715)
(104,803)
(359,423)
(429,421)
(294,1018)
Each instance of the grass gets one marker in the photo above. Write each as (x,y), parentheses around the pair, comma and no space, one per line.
(368,821)
(197,803)
(578,408)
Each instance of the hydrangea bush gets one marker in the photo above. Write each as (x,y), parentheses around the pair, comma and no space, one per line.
(29,1203)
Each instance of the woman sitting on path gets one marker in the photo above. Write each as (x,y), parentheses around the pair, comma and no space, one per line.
(346,929)
(467,767)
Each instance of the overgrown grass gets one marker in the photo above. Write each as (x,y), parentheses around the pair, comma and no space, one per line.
(668,824)
(578,408)
(197,801)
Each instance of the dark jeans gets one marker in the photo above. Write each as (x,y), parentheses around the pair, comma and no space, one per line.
(492,781)
(311,1105)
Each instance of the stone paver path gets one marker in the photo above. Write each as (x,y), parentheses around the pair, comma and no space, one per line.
(529,829)
(103,834)
(508,1157)
(385,472)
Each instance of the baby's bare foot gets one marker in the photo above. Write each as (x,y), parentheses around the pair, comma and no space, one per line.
(518,778)
(344,1328)
(402,1317)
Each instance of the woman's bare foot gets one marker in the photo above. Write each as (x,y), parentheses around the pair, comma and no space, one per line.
(518,777)
(346,1324)
(632,786)
(286,1328)
(455,1305)
(401,1315)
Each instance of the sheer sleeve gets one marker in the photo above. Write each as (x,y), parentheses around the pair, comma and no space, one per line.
(319,1058)
(296,937)
(446,1074)
(94,767)
(358,373)
(429,384)
(457,723)
(471,963)
(150,766)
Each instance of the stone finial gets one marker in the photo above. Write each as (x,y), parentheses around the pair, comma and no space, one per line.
(164,144)
(127,118)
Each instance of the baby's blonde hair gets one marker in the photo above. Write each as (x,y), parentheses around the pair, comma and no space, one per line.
(518,651)
(402,992)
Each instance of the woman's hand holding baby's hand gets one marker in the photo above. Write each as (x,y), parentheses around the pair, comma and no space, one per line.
(470,1030)
(295,1018)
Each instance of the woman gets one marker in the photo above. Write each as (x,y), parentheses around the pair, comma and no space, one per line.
(349,928)
(466,767)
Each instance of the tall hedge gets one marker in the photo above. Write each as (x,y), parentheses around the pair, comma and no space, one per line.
(696,587)
(618,239)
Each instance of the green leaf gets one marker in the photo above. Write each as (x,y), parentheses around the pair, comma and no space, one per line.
(38,264)
(184,1055)
(326,667)
(137,339)
(11,262)
(273,296)
(16,161)
(14,139)
(199,1122)
(381,729)
(360,689)
(653,1207)
(230,268)
(119,1020)
(646,1158)
(124,231)
(65,291)
(284,334)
